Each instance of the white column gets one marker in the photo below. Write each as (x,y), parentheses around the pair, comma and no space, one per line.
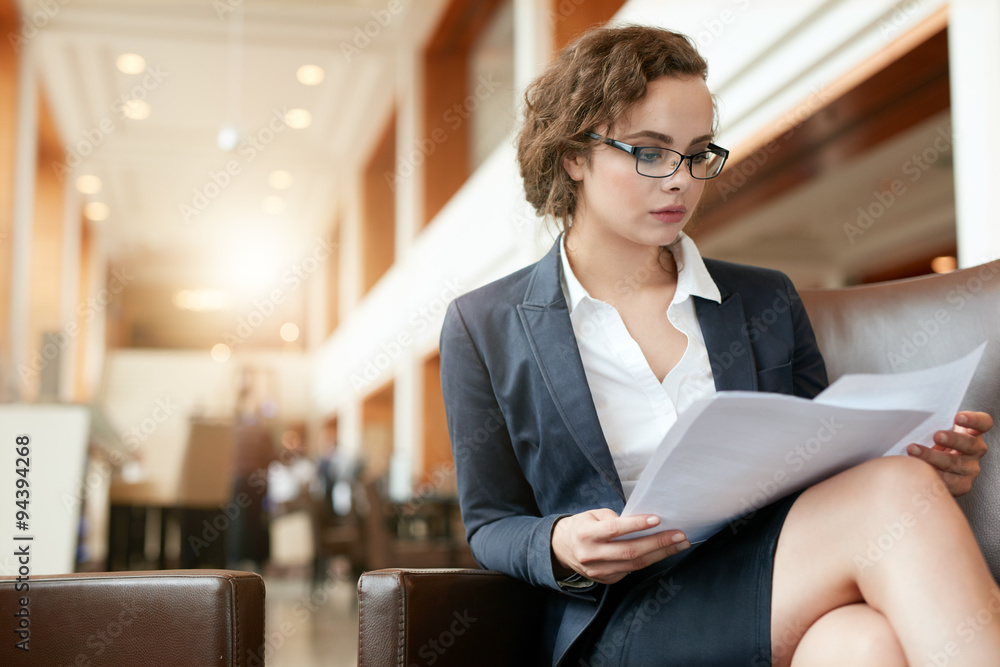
(96,347)
(409,122)
(69,296)
(974,63)
(532,43)
(24,211)
(405,420)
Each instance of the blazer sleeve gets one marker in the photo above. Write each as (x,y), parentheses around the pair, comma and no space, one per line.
(808,368)
(502,521)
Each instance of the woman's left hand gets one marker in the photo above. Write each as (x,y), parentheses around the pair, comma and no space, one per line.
(956,453)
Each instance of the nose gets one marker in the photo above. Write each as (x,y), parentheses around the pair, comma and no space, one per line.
(679,181)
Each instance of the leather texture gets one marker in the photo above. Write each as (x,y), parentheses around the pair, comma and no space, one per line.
(153,618)
(446,617)
(884,328)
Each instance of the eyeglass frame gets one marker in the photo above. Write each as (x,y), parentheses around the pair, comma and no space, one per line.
(633,151)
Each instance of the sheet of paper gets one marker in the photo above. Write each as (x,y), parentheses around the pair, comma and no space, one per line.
(745,450)
(731,454)
(939,390)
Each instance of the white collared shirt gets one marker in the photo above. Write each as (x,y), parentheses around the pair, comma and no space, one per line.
(634,408)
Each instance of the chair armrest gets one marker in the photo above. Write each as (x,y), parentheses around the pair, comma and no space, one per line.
(165,617)
(446,617)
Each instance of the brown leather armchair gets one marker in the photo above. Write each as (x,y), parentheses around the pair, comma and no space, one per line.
(162,618)
(424,616)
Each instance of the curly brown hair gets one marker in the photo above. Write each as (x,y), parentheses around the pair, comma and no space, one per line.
(595,81)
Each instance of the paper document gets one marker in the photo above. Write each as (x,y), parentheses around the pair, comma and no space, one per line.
(731,454)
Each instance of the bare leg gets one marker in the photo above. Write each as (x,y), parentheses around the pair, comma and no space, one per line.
(887,533)
(854,635)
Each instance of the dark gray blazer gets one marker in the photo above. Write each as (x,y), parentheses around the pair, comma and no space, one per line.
(527,442)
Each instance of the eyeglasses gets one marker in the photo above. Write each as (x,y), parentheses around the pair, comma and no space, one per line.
(656,162)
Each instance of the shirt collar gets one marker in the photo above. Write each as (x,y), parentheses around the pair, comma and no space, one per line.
(693,279)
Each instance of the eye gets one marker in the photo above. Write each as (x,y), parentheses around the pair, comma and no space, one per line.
(650,155)
(701,158)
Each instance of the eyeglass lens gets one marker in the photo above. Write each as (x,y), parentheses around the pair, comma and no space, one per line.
(660,162)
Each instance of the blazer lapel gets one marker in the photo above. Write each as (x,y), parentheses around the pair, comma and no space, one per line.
(724,327)
(545,318)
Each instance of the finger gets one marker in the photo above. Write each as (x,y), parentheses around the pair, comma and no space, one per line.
(632,551)
(659,551)
(956,465)
(974,421)
(972,445)
(628,524)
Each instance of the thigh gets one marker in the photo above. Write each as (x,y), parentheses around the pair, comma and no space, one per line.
(826,526)
(855,635)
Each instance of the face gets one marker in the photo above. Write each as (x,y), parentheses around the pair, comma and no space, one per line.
(617,204)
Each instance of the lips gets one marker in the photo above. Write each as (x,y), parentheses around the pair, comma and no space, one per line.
(669,213)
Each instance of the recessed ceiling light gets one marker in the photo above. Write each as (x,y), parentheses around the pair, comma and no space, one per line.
(201,300)
(310,75)
(96,211)
(280,179)
(289,332)
(298,119)
(228,137)
(130,63)
(136,109)
(944,264)
(220,352)
(88,184)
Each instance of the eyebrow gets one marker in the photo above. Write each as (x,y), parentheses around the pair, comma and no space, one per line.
(665,138)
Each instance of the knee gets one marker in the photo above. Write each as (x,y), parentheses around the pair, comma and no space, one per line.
(901,482)
(875,644)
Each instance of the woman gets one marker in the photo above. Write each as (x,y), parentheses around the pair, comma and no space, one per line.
(560,380)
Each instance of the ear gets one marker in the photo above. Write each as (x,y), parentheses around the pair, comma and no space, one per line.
(574,164)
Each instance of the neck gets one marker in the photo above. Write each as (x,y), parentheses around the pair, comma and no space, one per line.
(609,266)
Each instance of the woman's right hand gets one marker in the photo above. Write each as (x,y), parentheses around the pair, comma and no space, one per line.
(585,543)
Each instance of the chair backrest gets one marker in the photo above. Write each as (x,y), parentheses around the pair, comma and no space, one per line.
(167,617)
(918,323)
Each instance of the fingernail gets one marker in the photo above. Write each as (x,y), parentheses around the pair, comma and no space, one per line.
(679,537)
(962,420)
(913,450)
(683,545)
(653,520)
(940,438)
